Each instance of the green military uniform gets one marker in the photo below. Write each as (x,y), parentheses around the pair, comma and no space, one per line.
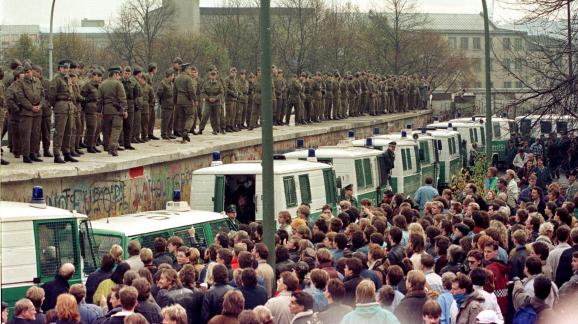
(231,94)
(328,98)
(243,101)
(211,94)
(250,103)
(2,112)
(60,97)
(152,113)
(256,111)
(343,98)
(148,103)
(279,85)
(13,119)
(136,122)
(90,93)
(132,91)
(76,129)
(112,103)
(294,89)
(317,100)
(165,96)
(46,120)
(308,101)
(29,95)
(185,98)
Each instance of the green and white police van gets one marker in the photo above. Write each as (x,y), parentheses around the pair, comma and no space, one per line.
(405,175)
(240,183)
(449,150)
(36,241)
(471,133)
(541,126)
(175,220)
(368,180)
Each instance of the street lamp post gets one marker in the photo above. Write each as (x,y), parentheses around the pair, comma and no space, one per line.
(488,83)
(50,44)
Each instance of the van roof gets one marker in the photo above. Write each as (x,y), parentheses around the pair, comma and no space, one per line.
(442,133)
(383,141)
(19,212)
(337,152)
(254,167)
(459,124)
(153,221)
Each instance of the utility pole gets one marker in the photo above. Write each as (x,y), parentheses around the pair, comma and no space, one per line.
(267,132)
(50,44)
(570,52)
(487,45)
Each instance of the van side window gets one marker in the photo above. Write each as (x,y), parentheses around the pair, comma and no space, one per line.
(408,156)
(290,194)
(451,146)
(56,243)
(497,130)
(471,135)
(305,188)
(330,186)
(359,174)
(367,172)
(483,135)
(403,159)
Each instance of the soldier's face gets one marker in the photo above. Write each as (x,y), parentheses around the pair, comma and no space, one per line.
(64,70)
(126,74)
(242,76)
(194,73)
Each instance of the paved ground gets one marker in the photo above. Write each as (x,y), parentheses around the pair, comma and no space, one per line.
(170,150)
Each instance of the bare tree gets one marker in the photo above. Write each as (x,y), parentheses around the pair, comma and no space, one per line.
(123,34)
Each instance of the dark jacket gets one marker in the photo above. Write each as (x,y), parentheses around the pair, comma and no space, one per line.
(52,290)
(68,322)
(395,255)
(334,313)
(441,262)
(213,302)
(409,309)
(254,296)
(92,282)
(283,266)
(163,258)
(564,270)
(350,286)
(191,300)
(107,316)
(453,267)
(150,310)
(517,262)
(331,271)
(388,160)
(17,320)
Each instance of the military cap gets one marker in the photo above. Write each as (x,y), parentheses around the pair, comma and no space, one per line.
(127,69)
(243,71)
(349,187)
(152,66)
(393,143)
(37,67)
(96,71)
(136,70)
(64,63)
(114,69)
(169,72)
(19,70)
(233,69)
(303,74)
(73,64)
(15,63)
(231,209)
(185,66)
(27,67)
(178,60)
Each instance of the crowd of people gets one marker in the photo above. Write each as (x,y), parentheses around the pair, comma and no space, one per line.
(504,253)
(79,104)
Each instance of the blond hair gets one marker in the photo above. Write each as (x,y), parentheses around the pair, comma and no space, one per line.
(175,313)
(116,252)
(365,292)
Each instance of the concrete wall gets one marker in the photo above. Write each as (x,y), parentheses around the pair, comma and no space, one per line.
(150,187)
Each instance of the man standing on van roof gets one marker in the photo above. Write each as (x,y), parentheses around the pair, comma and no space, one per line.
(57,286)
(389,162)
(231,212)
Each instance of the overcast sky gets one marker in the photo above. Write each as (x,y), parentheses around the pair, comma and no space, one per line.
(70,12)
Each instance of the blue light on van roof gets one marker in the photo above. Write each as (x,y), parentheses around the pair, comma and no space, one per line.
(409,126)
(38,195)
(300,143)
(369,141)
(450,125)
(216,155)
(423,130)
(403,134)
(311,153)
(351,134)
(376,131)
(176,195)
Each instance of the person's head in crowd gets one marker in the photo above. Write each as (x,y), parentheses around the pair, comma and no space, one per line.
(324,257)
(169,279)
(385,296)
(107,263)
(475,259)
(442,245)
(220,274)
(456,254)
(340,241)
(415,280)
(233,303)
(301,269)
(540,249)
(36,295)
(478,276)
(319,278)
(427,262)
(395,235)
(173,243)
(222,240)
(519,237)
(288,281)
(344,205)
(143,288)
(248,316)
(225,256)
(416,242)
(23,309)
(245,259)
(67,308)
(116,252)
(129,276)
(335,224)
(353,267)
(260,251)
(174,314)
(187,276)
(461,285)
(365,292)
(118,273)
(491,250)
(461,230)
(326,212)
(300,302)
(78,291)
(447,279)
(249,278)
(160,245)
(4,312)
(135,318)
(133,248)
(542,287)
(334,291)
(146,256)
(281,254)
(303,212)
(533,266)
(563,216)
(357,240)
(320,225)
(431,312)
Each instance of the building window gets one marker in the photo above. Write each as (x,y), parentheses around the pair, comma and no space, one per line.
(519,84)
(506,43)
(518,44)
(477,43)
(518,64)
(507,84)
(453,42)
(477,65)
(464,42)
(507,64)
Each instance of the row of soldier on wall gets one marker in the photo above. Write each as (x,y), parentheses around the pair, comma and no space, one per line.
(76,106)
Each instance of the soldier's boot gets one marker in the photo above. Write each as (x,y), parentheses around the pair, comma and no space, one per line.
(68,157)
(58,159)
(186,137)
(113,152)
(47,153)
(34,157)
(26,159)
(72,153)
(78,151)
(4,162)
(91,149)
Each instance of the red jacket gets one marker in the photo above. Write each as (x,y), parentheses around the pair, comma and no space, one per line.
(500,271)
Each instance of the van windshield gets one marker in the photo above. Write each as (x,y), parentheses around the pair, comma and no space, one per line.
(525,126)
(561,127)
(57,244)
(545,127)
(103,243)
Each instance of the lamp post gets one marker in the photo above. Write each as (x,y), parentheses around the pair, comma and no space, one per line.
(50,44)
(267,132)
(488,82)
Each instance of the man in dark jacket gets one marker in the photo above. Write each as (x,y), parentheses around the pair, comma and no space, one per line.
(172,292)
(517,260)
(564,270)
(408,310)
(389,161)
(254,294)
(101,274)
(161,255)
(148,308)
(128,300)
(352,270)
(213,302)
(395,254)
(57,286)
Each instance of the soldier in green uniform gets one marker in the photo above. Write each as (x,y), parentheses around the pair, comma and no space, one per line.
(45,122)
(131,90)
(231,94)
(152,112)
(256,112)
(90,93)
(113,106)
(29,93)
(211,94)
(165,94)
(294,89)
(197,114)
(279,85)
(335,96)
(186,97)
(14,113)
(317,98)
(77,100)
(250,102)
(60,95)
(135,135)
(2,112)
(148,100)
(327,97)
(308,102)
(243,100)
